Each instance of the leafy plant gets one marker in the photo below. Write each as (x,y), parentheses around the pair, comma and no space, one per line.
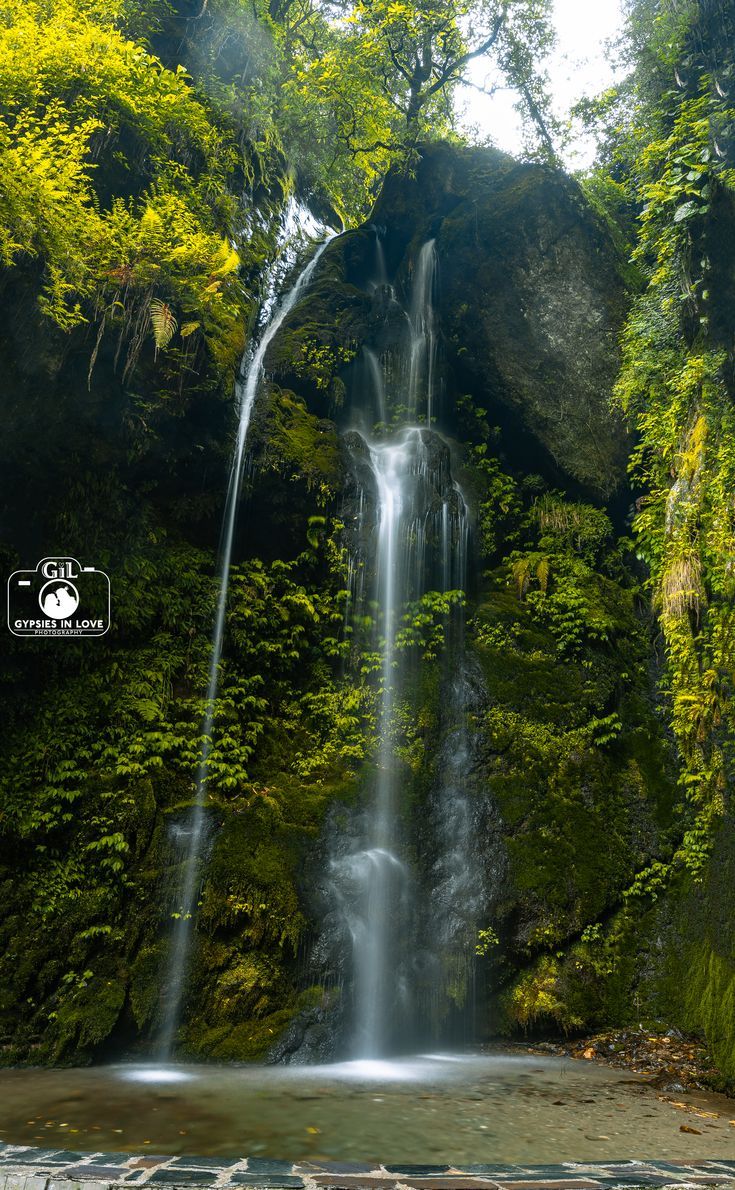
(163,323)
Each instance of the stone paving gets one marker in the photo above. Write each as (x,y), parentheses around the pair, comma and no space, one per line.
(23,1168)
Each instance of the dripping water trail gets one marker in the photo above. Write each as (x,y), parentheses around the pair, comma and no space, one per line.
(456,889)
(377,383)
(187,891)
(422,340)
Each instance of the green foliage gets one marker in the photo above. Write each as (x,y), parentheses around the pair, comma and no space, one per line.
(675,388)
(651,882)
(381,80)
(320,362)
(694,978)
(296,443)
(423,624)
(115,176)
(588,986)
(499,505)
(485,939)
(576,761)
(113,744)
(560,577)
(535,999)
(573,753)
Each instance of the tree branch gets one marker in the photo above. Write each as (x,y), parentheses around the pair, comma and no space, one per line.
(459,63)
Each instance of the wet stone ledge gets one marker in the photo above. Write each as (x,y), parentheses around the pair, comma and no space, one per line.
(23,1168)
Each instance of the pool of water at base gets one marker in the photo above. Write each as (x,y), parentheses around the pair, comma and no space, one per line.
(441,1108)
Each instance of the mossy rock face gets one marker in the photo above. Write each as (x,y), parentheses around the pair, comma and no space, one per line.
(324,330)
(292,442)
(663,959)
(600,925)
(578,766)
(689,975)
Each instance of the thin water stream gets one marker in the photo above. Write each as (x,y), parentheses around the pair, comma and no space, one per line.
(186,893)
(422,348)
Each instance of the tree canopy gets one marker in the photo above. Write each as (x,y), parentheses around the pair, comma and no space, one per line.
(133,133)
(385,72)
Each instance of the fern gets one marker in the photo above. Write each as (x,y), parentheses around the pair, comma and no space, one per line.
(226,260)
(542,574)
(521,570)
(163,323)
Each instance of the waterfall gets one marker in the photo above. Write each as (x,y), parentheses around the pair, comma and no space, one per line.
(383,874)
(409,517)
(246,390)
(404,895)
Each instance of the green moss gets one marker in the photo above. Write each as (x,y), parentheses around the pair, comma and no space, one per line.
(563,759)
(692,981)
(246,1042)
(88,1012)
(666,956)
(145,983)
(579,767)
(250,879)
(709,1005)
(323,333)
(297,442)
(251,1040)
(537,1000)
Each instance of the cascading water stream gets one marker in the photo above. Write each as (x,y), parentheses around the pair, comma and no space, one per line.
(457,891)
(382,869)
(410,915)
(413,528)
(187,891)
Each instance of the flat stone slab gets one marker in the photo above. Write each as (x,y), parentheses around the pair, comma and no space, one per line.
(24,1168)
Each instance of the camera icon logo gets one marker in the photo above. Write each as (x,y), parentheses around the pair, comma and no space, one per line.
(59,598)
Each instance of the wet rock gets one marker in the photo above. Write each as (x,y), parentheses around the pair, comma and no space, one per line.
(310,1038)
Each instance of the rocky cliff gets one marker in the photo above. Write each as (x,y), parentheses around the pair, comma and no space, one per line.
(571,768)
